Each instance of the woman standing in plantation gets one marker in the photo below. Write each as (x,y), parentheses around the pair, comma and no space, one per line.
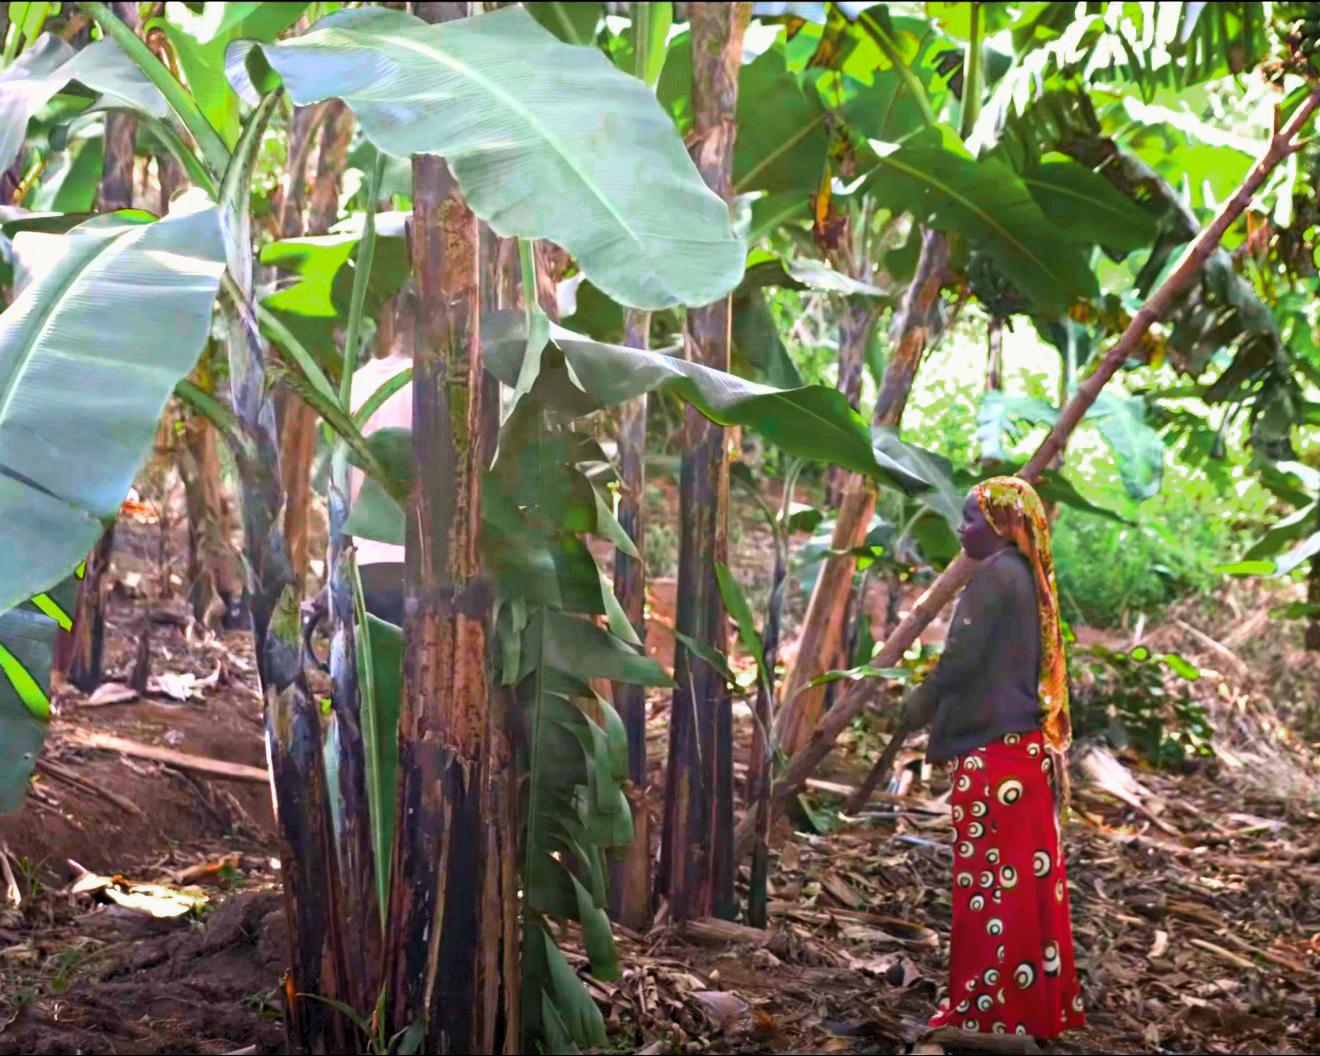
(998,706)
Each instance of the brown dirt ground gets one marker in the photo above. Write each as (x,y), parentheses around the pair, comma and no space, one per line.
(1197,912)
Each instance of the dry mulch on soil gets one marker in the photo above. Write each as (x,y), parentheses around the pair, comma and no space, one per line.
(1196,898)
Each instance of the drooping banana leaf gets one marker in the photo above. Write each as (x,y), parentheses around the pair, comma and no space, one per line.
(935,177)
(106,320)
(813,422)
(49,65)
(545,139)
(573,746)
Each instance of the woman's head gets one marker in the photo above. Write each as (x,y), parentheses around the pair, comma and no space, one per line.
(977,535)
(1003,511)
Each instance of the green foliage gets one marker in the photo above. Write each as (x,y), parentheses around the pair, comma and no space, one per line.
(199,40)
(1137,448)
(1086,206)
(49,65)
(1108,571)
(1294,540)
(537,156)
(315,307)
(1127,700)
(27,636)
(1200,42)
(987,203)
(812,422)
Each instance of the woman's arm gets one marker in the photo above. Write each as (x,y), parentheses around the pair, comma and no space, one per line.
(964,647)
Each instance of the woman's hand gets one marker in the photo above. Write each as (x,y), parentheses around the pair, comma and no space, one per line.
(918,708)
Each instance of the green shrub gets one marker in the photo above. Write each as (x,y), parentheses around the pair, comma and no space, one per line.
(1127,699)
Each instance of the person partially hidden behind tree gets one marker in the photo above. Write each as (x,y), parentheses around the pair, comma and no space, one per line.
(380,565)
(997,704)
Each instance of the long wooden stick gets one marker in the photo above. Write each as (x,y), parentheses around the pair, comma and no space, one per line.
(183,760)
(880,772)
(804,762)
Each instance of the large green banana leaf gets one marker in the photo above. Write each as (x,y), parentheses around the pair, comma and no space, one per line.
(545,139)
(782,130)
(813,422)
(1086,207)
(106,320)
(935,177)
(50,64)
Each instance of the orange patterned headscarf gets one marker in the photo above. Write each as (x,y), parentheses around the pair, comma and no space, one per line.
(1015,512)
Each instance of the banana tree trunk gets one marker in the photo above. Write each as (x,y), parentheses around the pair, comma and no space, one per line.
(630,874)
(449,928)
(215,578)
(78,654)
(293,721)
(805,761)
(215,582)
(857,320)
(319,959)
(297,420)
(824,627)
(696,856)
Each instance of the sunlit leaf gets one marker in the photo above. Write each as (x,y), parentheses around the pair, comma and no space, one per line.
(553,142)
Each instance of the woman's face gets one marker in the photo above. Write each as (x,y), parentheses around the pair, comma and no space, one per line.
(979,540)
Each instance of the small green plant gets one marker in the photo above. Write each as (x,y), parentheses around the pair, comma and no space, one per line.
(1128,700)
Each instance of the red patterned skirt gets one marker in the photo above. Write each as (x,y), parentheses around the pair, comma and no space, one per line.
(1011,951)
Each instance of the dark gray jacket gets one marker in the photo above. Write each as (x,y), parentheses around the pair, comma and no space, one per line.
(986,682)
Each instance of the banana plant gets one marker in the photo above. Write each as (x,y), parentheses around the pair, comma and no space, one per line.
(609,247)
(1295,539)
(647,269)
